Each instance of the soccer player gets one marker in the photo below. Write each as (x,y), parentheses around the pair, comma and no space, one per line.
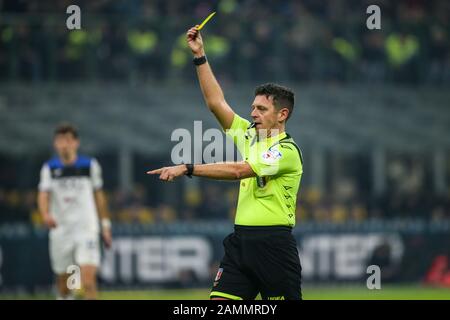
(261,254)
(70,199)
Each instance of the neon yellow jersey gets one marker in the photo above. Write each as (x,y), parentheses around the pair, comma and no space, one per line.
(270,198)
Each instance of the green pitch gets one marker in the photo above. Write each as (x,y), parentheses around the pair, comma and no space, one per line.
(312,293)
(388,292)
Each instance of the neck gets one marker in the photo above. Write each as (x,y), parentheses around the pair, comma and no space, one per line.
(68,159)
(272,132)
(275,131)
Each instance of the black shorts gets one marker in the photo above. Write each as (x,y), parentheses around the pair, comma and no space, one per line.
(259,260)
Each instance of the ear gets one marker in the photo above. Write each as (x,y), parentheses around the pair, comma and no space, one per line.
(283,114)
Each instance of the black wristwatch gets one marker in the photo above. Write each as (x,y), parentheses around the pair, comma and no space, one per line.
(190,169)
(199,61)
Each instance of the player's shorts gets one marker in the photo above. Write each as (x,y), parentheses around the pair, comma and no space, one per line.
(261,260)
(69,250)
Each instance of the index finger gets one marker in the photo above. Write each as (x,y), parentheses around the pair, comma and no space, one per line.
(156,171)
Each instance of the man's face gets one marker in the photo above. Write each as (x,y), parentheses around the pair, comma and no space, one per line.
(265,114)
(66,145)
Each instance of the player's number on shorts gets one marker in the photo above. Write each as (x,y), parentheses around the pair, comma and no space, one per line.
(74,280)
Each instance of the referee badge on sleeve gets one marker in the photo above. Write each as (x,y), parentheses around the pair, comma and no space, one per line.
(271,156)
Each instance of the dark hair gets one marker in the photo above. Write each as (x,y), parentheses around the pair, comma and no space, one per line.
(282,97)
(65,127)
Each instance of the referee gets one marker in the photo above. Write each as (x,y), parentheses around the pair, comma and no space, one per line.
(261,254)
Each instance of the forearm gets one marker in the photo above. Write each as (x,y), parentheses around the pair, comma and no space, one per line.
(43,202)
(224,171)
(102,208)
(212,92)
(105,222)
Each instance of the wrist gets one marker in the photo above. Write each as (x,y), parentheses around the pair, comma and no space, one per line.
(199,61)
(189,170)
(199,54)
(184,169)
(106,224)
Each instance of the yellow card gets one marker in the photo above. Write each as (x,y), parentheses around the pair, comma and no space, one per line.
(206,20)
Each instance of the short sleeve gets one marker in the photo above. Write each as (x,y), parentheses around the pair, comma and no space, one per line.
(45,179)
(96,175)
(277,160)
(238,131)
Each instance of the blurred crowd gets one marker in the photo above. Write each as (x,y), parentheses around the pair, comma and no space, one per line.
(408,195)
(309,40)
(248,40)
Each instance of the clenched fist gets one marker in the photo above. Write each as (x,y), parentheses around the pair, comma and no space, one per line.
(195,42)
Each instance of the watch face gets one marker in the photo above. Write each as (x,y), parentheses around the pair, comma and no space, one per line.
(261,181)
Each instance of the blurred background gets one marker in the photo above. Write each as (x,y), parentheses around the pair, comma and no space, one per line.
(372,117)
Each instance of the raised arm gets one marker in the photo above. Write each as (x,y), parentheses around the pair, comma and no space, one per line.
(211,90)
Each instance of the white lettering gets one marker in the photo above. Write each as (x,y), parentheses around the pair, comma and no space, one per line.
(374,281)
(374,20)
(74,20)
(74,280)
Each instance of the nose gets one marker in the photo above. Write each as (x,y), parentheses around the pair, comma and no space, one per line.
(253,114)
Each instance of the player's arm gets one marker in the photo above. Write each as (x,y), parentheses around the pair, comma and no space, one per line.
(100,202)
(105,221)
(212,92)
(43,197)
(43,200)
(218,171)
(102,208)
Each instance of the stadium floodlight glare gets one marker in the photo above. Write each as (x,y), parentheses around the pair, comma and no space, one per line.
(205,21)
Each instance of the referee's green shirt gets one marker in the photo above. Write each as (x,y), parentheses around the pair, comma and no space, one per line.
(270,198)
